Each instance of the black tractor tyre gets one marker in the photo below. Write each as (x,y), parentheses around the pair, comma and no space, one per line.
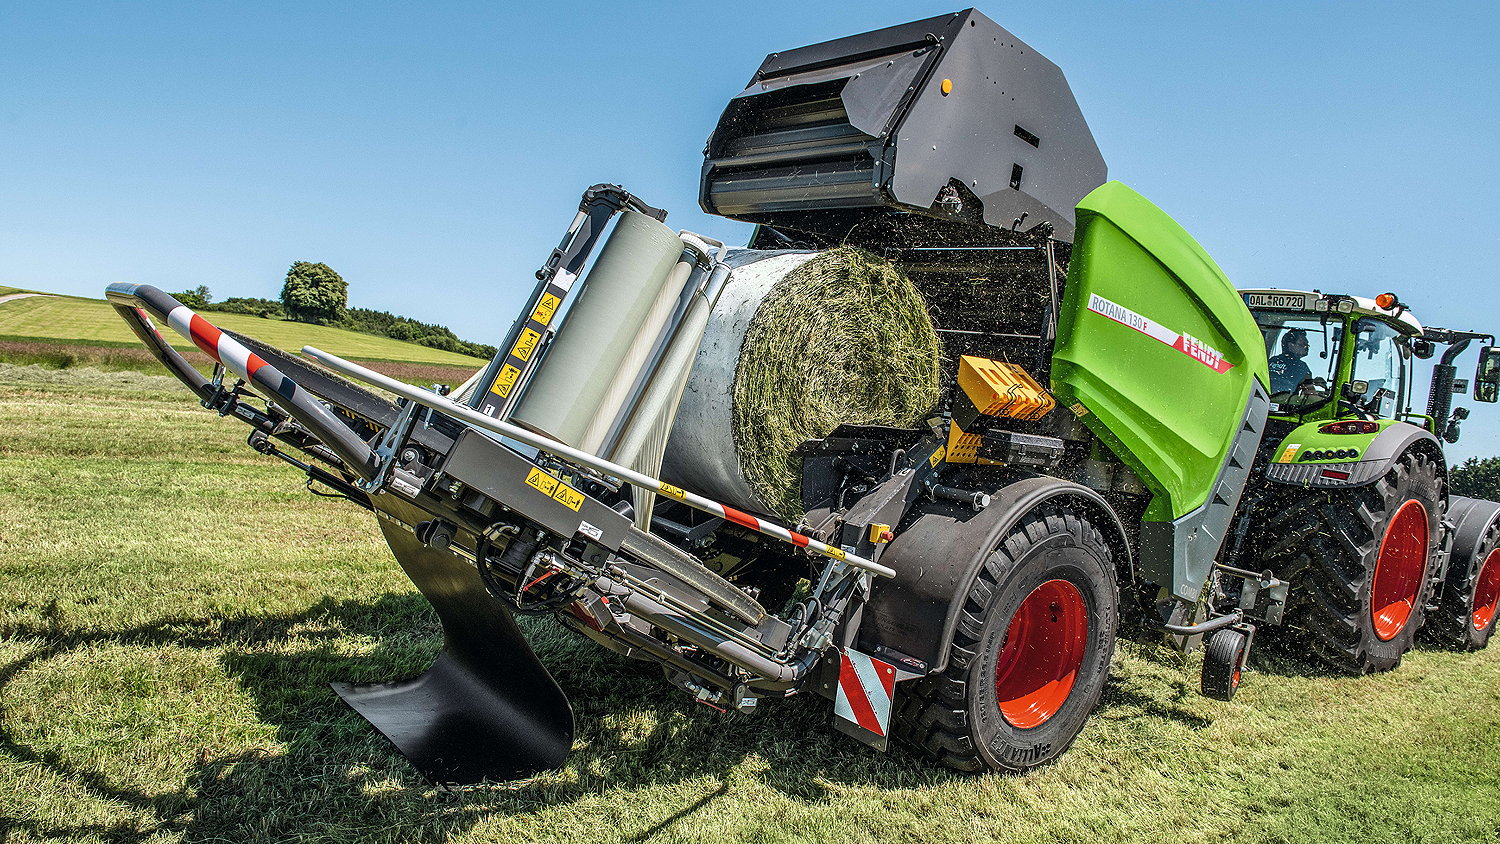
(1346,552)
(1031,653)
(1223,658)
(1458,623)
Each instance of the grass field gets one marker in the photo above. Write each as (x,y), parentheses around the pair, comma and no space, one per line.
(175,605)
(94,321)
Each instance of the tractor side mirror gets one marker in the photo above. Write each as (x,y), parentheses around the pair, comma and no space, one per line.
(1487,376)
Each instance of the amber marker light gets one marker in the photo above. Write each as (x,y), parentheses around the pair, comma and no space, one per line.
(947,87)
(1386,300)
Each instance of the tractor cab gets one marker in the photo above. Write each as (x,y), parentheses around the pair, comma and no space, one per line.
(1334,357)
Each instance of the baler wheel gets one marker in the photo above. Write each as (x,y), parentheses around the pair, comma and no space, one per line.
(1470,605)
(1222,660)
(1031,654)
(1359,561)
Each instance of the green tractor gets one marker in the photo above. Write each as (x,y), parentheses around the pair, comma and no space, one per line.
(1351,503)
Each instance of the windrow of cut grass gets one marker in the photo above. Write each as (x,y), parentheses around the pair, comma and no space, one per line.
(75,319)
(124,357)
(174,606)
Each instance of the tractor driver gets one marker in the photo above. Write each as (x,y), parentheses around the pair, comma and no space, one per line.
(1288,371)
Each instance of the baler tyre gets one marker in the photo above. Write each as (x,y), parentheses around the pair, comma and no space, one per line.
(1030,655)
(1467,613)
(1222,660)
(1358,561)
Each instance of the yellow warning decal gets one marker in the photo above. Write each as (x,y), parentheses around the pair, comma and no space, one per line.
(1078,409)
(937,456)
(836,553)
(526,345)
(1289,453)
(569,496)
(671,491)
(505,380)
(541,482)
(546,308)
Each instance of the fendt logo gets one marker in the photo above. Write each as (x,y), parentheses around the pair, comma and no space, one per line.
(1185,343)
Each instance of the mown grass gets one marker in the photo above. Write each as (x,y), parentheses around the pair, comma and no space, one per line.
(76,319)
(174,607)
(133,357)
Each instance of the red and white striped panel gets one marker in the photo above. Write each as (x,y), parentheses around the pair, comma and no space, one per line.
(864,694)
(215,343)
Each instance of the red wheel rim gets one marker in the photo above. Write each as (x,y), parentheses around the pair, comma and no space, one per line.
(1399,570)
(1041,655)
(1487,591)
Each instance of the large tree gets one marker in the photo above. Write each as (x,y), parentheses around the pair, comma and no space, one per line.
(1476,478)
(314,293)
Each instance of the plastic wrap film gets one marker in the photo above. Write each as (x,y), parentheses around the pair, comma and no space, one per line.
(600,346)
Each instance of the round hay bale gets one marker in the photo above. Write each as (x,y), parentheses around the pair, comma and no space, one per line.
(813,341)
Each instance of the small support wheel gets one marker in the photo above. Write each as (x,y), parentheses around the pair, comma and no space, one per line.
(1222,660)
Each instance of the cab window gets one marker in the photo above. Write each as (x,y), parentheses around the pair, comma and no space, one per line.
(1379,359)
(1303,355)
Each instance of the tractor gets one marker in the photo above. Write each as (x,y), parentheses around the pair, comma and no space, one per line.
(1351,503)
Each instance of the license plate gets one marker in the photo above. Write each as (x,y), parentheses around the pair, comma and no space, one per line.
(1281,301)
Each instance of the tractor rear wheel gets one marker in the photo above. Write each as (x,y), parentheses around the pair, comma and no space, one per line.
(1470,605)
(1358,561)
(1031,654)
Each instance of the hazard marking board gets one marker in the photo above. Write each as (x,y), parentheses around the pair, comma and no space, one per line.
(864,694)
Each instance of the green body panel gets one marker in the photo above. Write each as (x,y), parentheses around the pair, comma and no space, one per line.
(1143,300)
(1306,439)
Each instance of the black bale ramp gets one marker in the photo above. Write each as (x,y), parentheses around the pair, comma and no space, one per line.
(487,709)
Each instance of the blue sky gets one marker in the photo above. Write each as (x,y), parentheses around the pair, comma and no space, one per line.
(433,153)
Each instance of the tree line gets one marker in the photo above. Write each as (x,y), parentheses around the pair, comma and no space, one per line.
(313,293)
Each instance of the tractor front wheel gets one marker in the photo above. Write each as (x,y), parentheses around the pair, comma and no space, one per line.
(1359,562)
(1031,654)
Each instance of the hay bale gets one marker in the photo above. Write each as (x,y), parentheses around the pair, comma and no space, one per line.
(841,338)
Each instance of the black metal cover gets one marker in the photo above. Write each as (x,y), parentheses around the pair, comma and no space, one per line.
(829,134)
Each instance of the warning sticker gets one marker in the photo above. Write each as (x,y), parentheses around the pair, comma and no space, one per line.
(568,496)
(671,491)
(526,345)
(1289,453)
(546,308)
(937,456)
(836,553)
(541,482)
(1078,409)
(505,380)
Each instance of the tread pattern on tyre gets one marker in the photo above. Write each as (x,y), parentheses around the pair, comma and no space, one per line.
(932,715)
(1220,661)
(1325,543)
(1451,625)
